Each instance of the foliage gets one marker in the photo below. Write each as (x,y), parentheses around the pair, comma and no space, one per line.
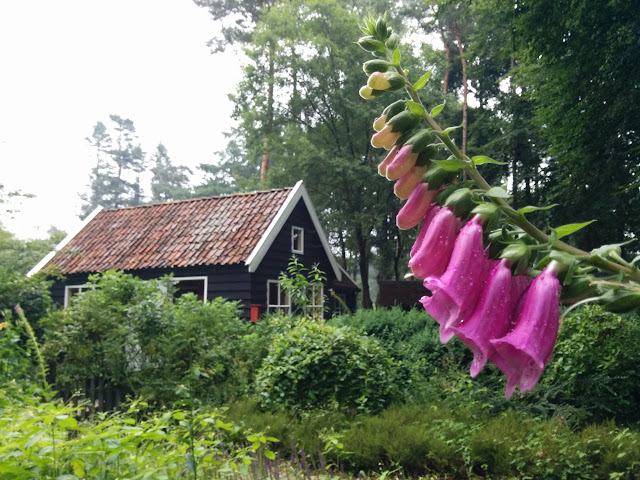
(32,293)
(304,285)
(169,181)
(595,369)
(125,333)
(15,365)
(315,364)
(20,256)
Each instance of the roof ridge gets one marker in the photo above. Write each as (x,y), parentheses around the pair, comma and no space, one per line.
(199,199)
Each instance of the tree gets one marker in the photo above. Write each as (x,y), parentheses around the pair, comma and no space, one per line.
(115,180)
(20,256)
(169,182)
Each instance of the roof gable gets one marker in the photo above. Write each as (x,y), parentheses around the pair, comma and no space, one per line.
(221,230)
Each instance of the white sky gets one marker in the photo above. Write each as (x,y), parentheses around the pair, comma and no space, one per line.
(67,64)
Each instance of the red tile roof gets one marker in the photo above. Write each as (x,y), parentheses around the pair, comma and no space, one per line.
(217,230)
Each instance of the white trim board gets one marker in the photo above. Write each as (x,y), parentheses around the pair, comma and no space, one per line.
(261,249)
(64,242)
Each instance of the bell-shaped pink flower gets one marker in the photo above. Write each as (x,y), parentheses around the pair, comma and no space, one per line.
(416,208)
(454,295)
(437,244)
(408,182)
(382,168)
(402,163)
(523,353)
(490,318)
(426,221)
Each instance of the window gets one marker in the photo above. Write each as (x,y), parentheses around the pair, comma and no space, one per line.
(196,285)
(72,290)
(278,298)
(315,296)
(297,240)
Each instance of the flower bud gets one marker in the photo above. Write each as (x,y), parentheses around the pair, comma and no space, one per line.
(370,44)
(403,121)
(402,163)
(420,140)
(382,168)
(381,27)
(462,202)
(379,123)
(416,207)
(437,176)
(375,65)
(393,41)
(385,138)
(379,81)
(621,300)
(408,182)
(394,109)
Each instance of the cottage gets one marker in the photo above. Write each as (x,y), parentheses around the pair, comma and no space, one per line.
(231,246)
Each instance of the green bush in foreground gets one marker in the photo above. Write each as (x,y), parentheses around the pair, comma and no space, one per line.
(317,365)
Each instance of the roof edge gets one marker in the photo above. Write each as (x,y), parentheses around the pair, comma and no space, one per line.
(260,250)
(47,258)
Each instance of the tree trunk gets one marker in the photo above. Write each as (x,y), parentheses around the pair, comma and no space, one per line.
(363,259)
(269,120)
(447,68)
(465,88)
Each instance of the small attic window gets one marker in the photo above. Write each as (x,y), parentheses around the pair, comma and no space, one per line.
(297,239)
(70,291)
(195,285)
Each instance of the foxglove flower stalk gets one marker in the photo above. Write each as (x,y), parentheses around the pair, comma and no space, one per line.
(416,207)
(402,163)
(409,181)
(523,353)
(435,250)
(455,294)
(491,317)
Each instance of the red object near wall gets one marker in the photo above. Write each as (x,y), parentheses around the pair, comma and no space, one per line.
(255,312)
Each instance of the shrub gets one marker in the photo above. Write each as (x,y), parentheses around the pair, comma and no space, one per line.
(315,364)
(125,335)
(31,293)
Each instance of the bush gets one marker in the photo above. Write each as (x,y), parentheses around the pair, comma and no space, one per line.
(31,293)
(126,336)
(315,364)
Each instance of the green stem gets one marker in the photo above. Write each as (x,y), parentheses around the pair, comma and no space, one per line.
(509,211)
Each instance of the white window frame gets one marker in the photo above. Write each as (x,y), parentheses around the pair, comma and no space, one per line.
(67,293)
(281,308)
(317,309)
(300,231)
(176,280)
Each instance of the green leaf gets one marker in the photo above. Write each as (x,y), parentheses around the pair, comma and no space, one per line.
(447,131)
(423,80)
(450,165)
(395,58)
(570,228)
(269,454)
(68,422)
(35,439)
(436,110)
(530,208)
(480,159)
(416,108)
(497,192)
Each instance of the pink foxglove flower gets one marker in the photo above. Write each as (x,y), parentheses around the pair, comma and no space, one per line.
(523,353)
(408,182)
(491,317)
(455,294)
(435,250)
(402,163)
(382,168)
(426,221)
(416,208)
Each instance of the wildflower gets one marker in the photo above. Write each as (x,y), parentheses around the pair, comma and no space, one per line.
(432,257)
(454,295)
(367,93)
(379,123)
(416,207)
(379,81)
(491,316)
(426,221)
(523,353)
(3,325)
(409,181)
(382,168)
(402,163)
